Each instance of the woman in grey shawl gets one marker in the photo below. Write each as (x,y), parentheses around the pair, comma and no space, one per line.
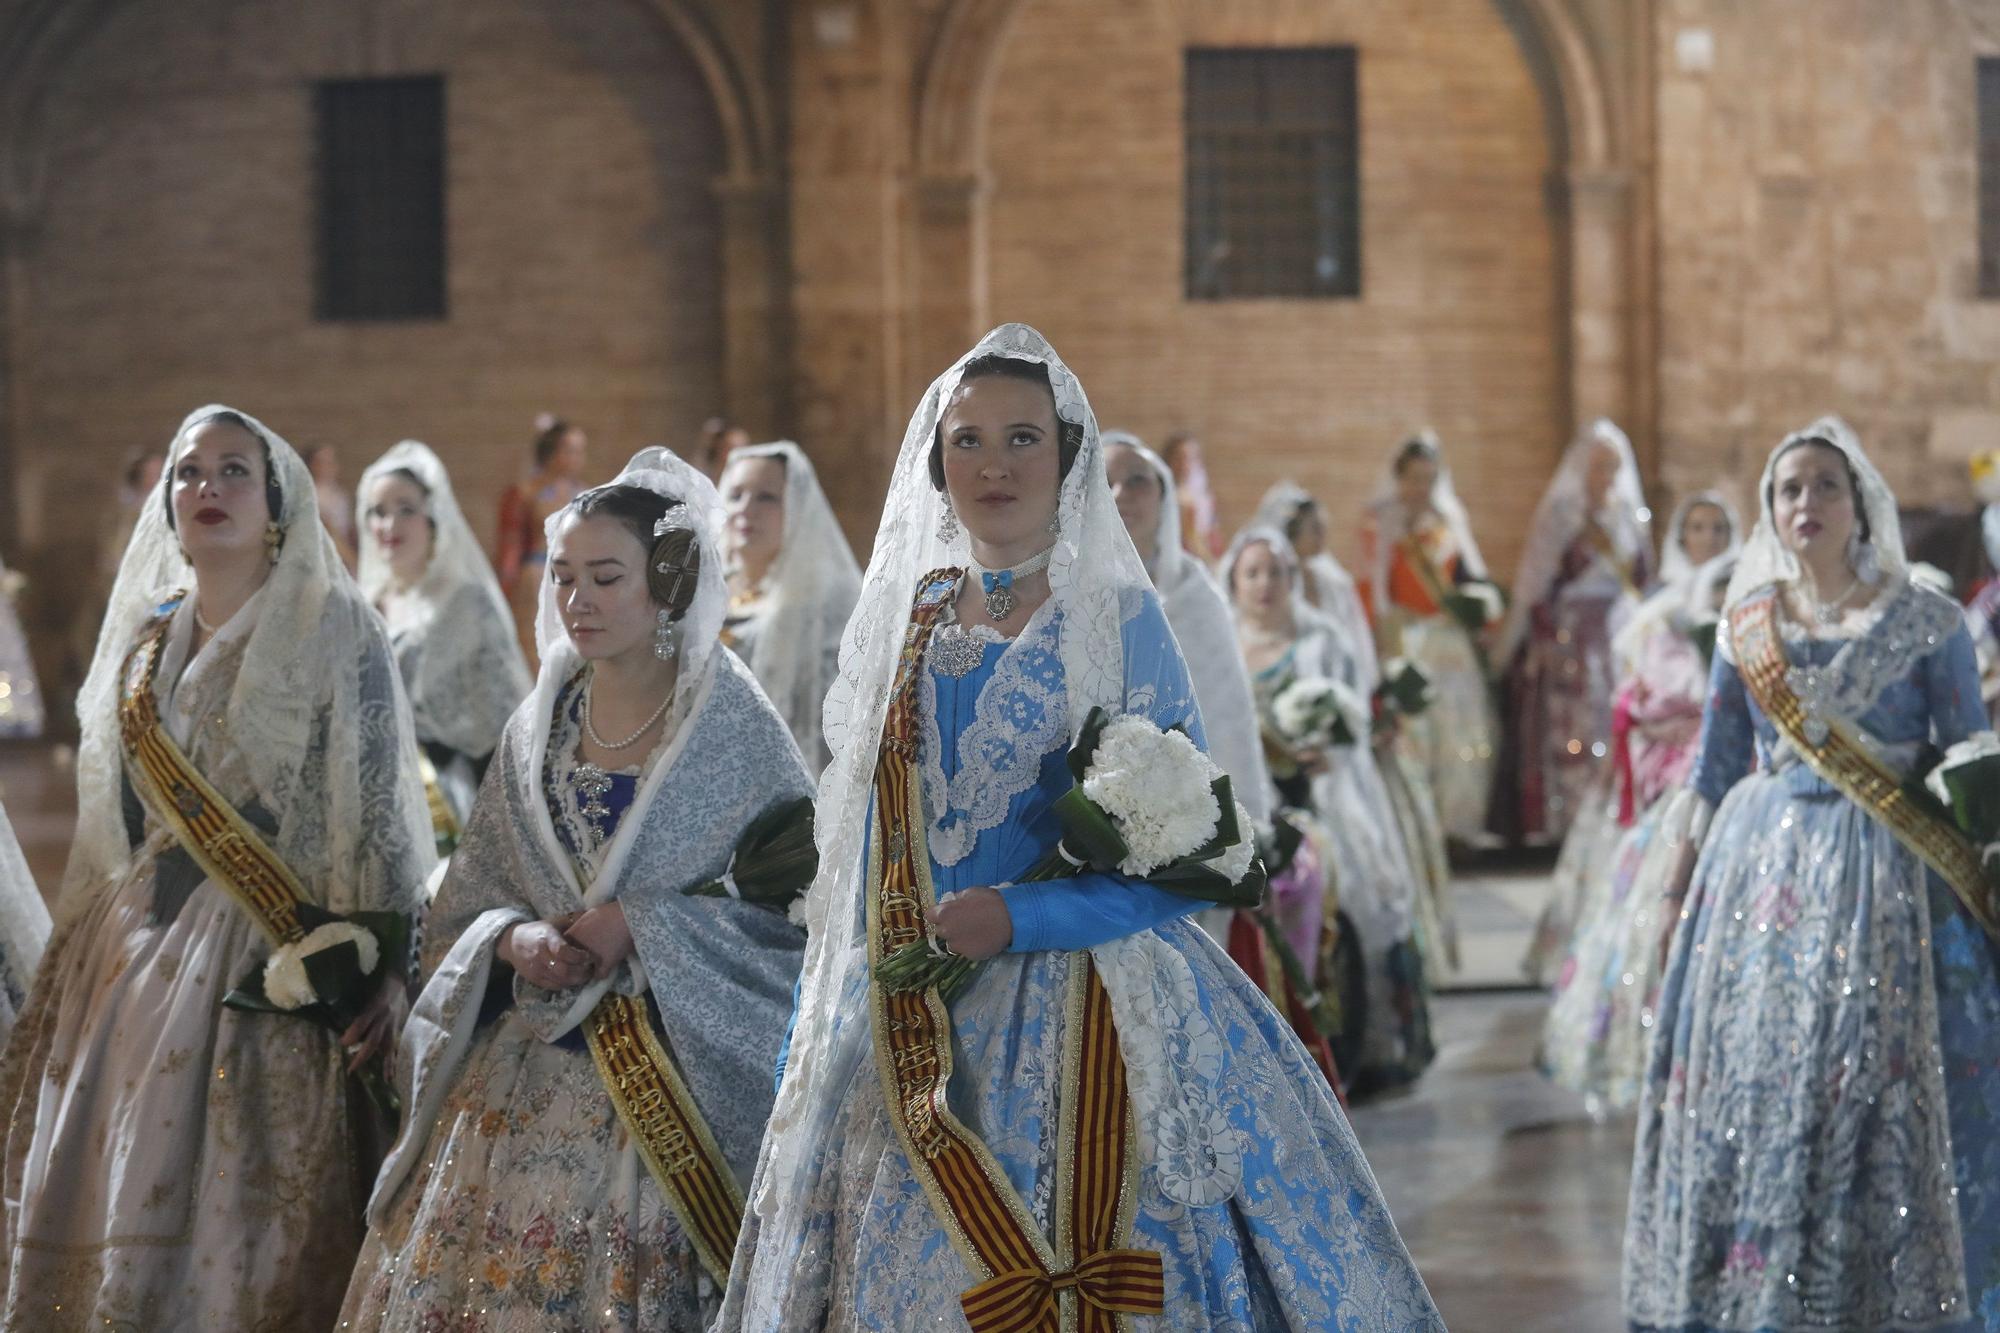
(528,1184)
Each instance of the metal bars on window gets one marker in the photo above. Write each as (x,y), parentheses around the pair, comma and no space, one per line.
(1273,203)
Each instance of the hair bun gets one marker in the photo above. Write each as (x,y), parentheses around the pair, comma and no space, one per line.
(673,570)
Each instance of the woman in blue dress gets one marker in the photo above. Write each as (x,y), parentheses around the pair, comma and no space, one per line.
(1817,1144)
(962,1162)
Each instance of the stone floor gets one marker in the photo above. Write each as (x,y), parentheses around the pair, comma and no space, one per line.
(1510,1198)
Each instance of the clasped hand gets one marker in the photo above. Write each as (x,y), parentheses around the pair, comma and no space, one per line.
(569,950)
(974,924)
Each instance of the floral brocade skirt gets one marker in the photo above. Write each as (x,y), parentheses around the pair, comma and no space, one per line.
(1453,741)
(1819,1134)
(172,1163)
(529,1211)
(1305,1243)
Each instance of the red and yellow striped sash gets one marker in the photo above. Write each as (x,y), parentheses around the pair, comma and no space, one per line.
(666,1126)
(1848,767)
(1089,1277)
(225,845)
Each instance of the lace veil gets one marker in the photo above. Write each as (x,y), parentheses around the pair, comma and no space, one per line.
(1092,566)
(1675,594)
(809,592)
(1392,522)
(471,676)
(1561,515)
(1199,612)
(316,709)
(1766,559)
(663,472)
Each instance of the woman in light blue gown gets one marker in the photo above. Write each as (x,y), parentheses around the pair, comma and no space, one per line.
(1819,1132)
(1243,1202)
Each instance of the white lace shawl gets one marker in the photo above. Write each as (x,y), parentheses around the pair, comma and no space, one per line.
(317,710)
(454,634)
(1392,520)
(1674,596)
(24,918)
(1093,568)
(720,970)
(1562,514)
(806,598)
(1767,560)
(1199,615)
(729,759)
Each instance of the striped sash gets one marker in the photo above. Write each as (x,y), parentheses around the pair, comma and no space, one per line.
(659,1112)
(1090,1276)
(1845,764)
(227,847)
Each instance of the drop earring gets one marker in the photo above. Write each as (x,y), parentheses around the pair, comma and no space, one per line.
(947,525)
(664,646)
(274,540)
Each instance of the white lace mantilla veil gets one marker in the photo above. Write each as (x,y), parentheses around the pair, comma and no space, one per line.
(1392,523)
(1306,618)
(1674,594)
(302,664)
(1561,515)
(1879,560)
(1194,601)
(463,667)
(662,471)
(810,591)
(24,918)
(1093,566)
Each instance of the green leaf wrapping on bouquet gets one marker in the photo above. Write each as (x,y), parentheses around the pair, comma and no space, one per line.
(1276,848)
(1342,733)
(775,859)
(1473,610)
(1971,788)
(1702,635)
(1227,833)
(1085,749)
(1408,691)
(1210,885)
(1088,833)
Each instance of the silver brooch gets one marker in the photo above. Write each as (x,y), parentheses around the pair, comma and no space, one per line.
(955,652)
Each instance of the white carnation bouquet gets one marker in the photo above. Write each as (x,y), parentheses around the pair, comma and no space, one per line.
(1317,712)
(328,976)
(1146,803)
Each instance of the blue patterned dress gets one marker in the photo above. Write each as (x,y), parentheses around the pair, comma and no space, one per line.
(1817,1138)
(1303,1242)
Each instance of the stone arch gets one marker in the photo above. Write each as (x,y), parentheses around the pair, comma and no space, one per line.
(1595,192)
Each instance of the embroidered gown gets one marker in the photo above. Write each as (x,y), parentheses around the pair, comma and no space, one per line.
(172,1163)
(1304,1241)
(1594,1041)
(519,1201)
(1370,873)
(1820,1129)
(1559,691)
(1452,741)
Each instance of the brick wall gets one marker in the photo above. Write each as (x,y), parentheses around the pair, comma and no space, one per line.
(1817,228)
(172,264)
(1457,323)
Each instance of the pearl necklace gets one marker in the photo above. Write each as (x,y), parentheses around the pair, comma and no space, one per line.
(999,583)
(626,744)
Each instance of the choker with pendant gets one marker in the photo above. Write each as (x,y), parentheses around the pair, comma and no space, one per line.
(999,583)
